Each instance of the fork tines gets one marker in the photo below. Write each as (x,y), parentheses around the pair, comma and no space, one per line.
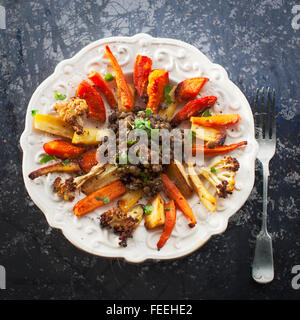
(264,113)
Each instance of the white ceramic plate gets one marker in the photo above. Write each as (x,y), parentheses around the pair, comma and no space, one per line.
(182,61)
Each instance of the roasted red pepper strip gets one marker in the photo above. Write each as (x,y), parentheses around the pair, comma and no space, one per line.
(62,149)
(93,98)
(88,160)
(173,193)
(217,149)
(100,83)
(142,69)
(155,89)
(193,107)
(217,120)
(170,213)
(123,88)
(189,88)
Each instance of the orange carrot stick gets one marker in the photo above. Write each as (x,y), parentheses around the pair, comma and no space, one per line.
(123,88)
(88,160)
(193,107)
(170,213)
(142,69)
(62,149)
(189,88)
(155,89)
(99,82)
(217,120)
(173,193)
(93,98)
(99,197)
(217,149)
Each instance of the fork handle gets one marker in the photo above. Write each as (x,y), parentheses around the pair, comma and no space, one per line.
(265,166)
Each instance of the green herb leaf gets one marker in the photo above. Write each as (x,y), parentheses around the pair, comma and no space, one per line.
(167,208)
(34,112)
(213,170)
(167,90)
(47,158)
(108,77)
(59,96)
(144,176)
(148,112)
(131,142)
(206,113)
(123,158)
(190,136)
(65,162)
(104,199)
(148,209)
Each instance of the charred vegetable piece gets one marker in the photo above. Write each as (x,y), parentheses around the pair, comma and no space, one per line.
(194,107)
(100,83)
(170,214)
(217,120)
(214,149)
(123,88)
(71,166)
(93,99)
(173,193)
(90,136)
(53,125)
(142,69)
(62,149)
(72,112)
(93,201)
(222,177)
(176,172)
(155,89)
(189,88)
(88,160)
(212,135)
(206,198)
(129,199)
(156,215)
(122,223)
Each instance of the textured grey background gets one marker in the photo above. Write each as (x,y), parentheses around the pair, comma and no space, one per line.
(255,42)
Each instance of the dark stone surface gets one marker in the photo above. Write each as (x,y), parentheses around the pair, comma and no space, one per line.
(256,43)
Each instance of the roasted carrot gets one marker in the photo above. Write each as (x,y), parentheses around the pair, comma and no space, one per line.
(123,88)
(88,160)
(100,83)
(189,88)
(173,193)
(155,89)
(99,197)
(71,166)
(217,120)
(170,219)
(217,149)
(142,69)
(193,107)
(93,98)
(62,149)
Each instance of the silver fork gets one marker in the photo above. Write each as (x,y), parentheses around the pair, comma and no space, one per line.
(265,124)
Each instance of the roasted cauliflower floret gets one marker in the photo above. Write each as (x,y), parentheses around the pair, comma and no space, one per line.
(72,111)
(222,175)
(122,223)
(66,189)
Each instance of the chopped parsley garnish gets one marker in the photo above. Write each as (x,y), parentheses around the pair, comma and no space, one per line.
(148,112)
(167,208)
(140,123)
(190,136)
(167,90)
(108,77)
(47,158)
(144,176)
(131,142)
(59,96)
(34,112)
(65,162)
(148,209)
(104,199)
(213,170)
(206,113)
